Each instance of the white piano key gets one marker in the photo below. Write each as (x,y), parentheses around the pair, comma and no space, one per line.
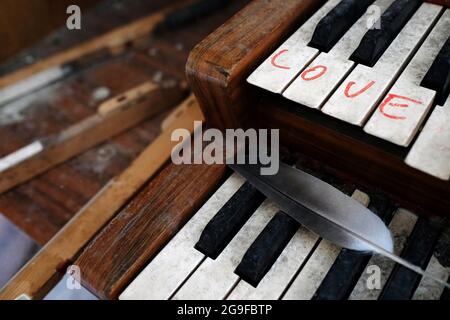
(313,273)
(401,227)
(429,289)
(214,279)
(405,107)
(282,272)
(362,90)
(318,265)
(431,151)
(318,81)
(278,71)
(20,155)
(169,269)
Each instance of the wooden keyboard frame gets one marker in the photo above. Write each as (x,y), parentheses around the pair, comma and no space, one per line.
(217,70)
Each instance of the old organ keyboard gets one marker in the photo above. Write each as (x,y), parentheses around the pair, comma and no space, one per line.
(295,65)
(383,78)
(240,246)
(369,105)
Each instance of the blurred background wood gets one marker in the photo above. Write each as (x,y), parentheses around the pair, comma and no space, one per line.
(24,22)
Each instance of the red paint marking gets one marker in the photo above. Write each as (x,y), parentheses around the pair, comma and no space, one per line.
(388,102)
(313,69)
(353,95)
(275,57)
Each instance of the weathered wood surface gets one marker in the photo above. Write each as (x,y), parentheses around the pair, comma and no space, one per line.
(46,268)
(42,206)
(114,116)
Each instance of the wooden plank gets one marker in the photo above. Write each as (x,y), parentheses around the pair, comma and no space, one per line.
(42,272)
(43,205)
(112,40)
(114,116)
(177,112)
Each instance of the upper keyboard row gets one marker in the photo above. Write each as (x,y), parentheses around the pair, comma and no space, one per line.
(382,65)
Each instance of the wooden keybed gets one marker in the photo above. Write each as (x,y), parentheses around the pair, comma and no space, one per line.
(217,71)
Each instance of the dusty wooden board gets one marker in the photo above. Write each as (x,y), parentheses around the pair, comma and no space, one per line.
(114,116)
(42,206)
(42,272)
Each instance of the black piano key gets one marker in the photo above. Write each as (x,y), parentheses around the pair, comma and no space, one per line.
(349,265)
(337,22)
(446,294)
(376,41)
(266,249)
(403,282)
(438,77)
(229,220)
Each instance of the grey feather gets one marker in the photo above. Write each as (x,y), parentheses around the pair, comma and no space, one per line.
(321,208)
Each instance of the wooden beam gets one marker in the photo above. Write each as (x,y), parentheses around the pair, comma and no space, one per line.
(47,267)
(114,116)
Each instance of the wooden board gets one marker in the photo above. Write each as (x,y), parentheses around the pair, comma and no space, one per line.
(42,272)
(114,116)
(42,206)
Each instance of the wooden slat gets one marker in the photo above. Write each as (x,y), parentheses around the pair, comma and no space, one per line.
(41,273)
(114,116)
(44,204)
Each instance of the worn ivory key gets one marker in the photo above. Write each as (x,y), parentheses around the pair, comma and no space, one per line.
(401,227)
(319,263)
(401,113)
(362,90)
(431,151)
(277,72)
(317,82)
(220,272)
